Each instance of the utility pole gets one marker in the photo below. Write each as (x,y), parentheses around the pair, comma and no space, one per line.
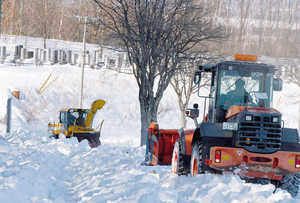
(82,64)
(83,55)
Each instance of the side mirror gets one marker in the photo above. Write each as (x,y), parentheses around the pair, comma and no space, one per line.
(277,84)
(197,77)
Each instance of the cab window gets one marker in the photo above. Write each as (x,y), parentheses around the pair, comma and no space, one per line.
(238,87)
(63,117)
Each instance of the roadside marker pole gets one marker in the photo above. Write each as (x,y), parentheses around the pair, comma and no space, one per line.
(279,101)
(44,84)
(8,116)
(48,85)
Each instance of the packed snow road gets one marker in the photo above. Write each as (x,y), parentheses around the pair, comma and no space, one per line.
(35,168)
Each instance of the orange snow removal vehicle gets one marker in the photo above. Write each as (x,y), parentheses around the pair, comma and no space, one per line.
(77,123)
(241,133)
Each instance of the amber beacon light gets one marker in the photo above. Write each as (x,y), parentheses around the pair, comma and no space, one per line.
(245,57)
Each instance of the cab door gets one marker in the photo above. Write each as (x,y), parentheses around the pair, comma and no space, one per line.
(63,119)
(212,98)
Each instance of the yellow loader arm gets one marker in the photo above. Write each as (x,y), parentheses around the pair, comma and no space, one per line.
(96,105)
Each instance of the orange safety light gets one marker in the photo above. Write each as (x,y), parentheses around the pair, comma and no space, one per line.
(218,156)
(187,112)
(297,161)
(245,57)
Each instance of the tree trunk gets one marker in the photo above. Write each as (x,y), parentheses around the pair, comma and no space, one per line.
(148,108)
(182,117)
(241,28)
(145,124)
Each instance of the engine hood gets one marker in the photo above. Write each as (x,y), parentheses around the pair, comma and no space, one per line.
(234,109)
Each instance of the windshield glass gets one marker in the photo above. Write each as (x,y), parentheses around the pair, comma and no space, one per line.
(239,85)
(73,114)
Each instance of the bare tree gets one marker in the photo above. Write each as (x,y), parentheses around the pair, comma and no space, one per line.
(293,61)
(244,14)
(48,13)
(0,14)
(8,16)
(260,27)
(183,85)
(183,80)
(155,34)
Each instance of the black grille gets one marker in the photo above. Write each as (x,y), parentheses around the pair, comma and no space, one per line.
(257,118)
(260,134)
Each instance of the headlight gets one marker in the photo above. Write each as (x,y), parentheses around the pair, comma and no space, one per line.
(248,118)
(275,119)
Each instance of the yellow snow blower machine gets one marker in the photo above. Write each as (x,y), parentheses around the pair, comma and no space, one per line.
(77,123)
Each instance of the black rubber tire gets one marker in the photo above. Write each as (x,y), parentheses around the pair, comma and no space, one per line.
(290,183)
(196,159)
(177,160)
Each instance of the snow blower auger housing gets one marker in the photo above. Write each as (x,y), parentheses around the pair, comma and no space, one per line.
(241,133)
(77,123)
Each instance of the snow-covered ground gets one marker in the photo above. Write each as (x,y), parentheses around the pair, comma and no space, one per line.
(36,168)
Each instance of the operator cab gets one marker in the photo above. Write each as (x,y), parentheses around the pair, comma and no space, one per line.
(241,82)
(68,117)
